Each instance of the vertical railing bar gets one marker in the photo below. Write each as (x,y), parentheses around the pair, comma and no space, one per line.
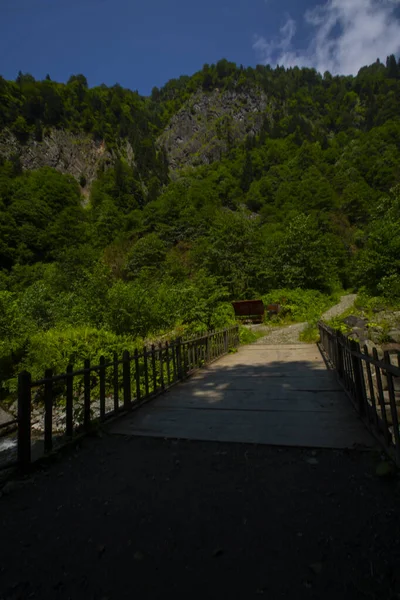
(69,419)
(86,401)
(173,352)
(179,358)
(161,361)
(146,371)
(393,408)
(184,352)
(48,411)
(381,399)
(167,356)
(371,387)
(102,387)
(116,382)
(126,374)
(137,375)
(154,368)
(363,389)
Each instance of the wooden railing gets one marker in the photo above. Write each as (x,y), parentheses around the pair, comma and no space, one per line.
(371,382)
(81,398)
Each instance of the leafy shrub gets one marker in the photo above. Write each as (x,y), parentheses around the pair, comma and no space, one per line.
(249,336)
(389,287)
(310,334)
(223,316)
(57,348)
(300,305)
(369,305)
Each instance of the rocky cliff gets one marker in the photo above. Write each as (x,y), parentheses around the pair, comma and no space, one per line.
(74,154)
(205,127)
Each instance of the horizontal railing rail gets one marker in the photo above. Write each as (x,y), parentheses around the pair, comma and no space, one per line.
(56,407)
(372,382)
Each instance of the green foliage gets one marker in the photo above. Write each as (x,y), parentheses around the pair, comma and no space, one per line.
(306,204)
(14,328)
(310,334)
(304,257)
(378,262)
(369,305)
(57,348)
(249,336)
(147,254)
(300,305)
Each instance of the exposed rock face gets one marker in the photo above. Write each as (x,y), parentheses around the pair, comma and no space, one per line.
(69,153)
(394,335)
(353,321)
(385,331)
(203,129)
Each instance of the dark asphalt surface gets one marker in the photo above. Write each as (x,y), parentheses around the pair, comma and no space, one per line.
(147,518)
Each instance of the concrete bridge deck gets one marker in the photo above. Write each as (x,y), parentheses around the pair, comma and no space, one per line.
(133,516)
(275,395)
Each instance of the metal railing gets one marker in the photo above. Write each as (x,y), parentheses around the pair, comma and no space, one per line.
(371,382)
(81,398)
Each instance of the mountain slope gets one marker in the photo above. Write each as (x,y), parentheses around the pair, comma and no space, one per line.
(228,184)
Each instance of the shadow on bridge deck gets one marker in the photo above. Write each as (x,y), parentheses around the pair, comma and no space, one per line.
(139,517)
(276,395)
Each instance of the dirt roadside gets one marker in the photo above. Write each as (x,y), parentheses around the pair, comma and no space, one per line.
(290,334)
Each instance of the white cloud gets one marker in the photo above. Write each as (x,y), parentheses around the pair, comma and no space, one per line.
(368,29)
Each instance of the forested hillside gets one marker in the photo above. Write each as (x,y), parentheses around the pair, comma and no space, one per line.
(228,184)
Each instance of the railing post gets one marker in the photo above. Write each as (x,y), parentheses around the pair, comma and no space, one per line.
(146,372)
(371,387)
(69,418)
(86,385)
(126,374)
(358,383)
(381,398)
(174,369)
(179,357)
(207,350)
(48,411)
(226,343)
(393,408)
(168,364)
(184,347)
(102,391)
(340,366)
(116,381)
(137,375)
(160,356)
(153,367)
(24,420)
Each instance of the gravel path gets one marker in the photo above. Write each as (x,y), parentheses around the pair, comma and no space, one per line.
(345,303)
(149,518)
(290,334)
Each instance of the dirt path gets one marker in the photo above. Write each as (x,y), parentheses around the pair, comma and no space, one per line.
(290,334)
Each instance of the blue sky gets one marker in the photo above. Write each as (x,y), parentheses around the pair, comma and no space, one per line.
(146,43)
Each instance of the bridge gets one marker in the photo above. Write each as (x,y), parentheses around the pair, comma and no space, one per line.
(279,395)
(251,475)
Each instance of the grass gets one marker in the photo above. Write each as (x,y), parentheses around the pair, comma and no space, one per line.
(310,334)
(249,336)
(299,306)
